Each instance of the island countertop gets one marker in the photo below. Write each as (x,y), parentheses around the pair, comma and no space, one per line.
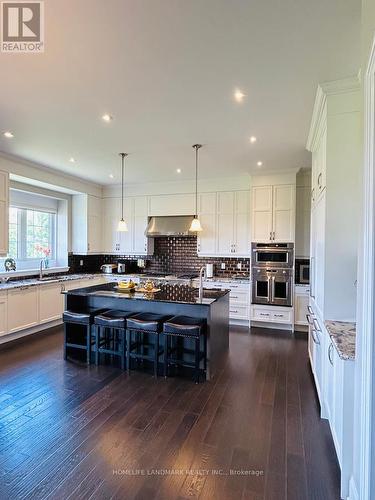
(178,294)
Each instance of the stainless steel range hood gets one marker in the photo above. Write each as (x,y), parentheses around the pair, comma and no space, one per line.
(169,226)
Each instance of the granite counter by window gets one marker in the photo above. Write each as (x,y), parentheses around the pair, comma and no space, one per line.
(342,335)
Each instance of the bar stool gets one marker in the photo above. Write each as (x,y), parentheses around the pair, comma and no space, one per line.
(110,336)
(187,328)
(144,324)
(84,318)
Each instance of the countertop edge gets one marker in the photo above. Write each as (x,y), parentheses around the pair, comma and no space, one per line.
(343,337)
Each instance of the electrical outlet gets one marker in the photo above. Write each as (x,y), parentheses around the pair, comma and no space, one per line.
(81,262)
(239,266)
(222,266)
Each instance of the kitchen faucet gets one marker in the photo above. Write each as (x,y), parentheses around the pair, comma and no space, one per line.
(41,269)
(201,274)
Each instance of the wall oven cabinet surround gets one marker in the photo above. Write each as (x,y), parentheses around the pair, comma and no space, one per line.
(272,286)
(273,213)
(4,212)
(301,302)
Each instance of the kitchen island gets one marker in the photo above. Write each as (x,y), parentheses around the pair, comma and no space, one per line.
(171,300)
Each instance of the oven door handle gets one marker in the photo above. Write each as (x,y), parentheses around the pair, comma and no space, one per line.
(272,292)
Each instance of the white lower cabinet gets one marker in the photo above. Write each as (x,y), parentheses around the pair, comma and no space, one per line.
(301,301)
(334,379)
(239,298)
(3,314)
(272,314)
(22,308)
(51,302)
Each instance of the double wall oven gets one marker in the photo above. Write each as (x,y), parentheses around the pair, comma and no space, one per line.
(272,273)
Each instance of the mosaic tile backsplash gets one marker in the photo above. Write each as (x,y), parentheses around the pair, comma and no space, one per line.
(172,255)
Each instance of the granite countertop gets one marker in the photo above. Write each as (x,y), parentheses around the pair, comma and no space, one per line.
(342,335)
(36,282)
(181,294)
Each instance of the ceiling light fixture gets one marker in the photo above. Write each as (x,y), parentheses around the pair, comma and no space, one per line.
(111,176)
(260,163)
(195,223)
(72,160)
(253,139)
(122,226)
(107,118)
(238,95)
(178,170)
(8,135)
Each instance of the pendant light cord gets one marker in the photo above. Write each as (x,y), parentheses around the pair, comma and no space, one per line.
(196,147)
(123,155)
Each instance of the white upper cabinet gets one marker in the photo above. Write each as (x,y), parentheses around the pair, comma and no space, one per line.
(171,204)
(4,211)
(273,213)
(86,224)
(133,241)
(225,219)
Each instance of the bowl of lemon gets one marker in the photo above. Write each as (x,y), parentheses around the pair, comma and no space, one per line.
(125,286)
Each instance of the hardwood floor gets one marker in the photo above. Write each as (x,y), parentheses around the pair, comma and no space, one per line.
(67,431)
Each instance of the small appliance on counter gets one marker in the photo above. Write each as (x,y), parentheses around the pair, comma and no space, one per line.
(108,268)
(209,270)
(121,267)
(302,271)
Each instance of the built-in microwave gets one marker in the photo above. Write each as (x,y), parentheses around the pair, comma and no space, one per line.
(272,254)
(302,271)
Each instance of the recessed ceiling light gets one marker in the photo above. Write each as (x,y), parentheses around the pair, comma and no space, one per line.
(107,118)
(253,139)
(8,135)
(72,160)
(260,163)
(238,95)
(178,170)
(111,176)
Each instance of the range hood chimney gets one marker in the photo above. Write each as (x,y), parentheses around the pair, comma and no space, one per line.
(169,226)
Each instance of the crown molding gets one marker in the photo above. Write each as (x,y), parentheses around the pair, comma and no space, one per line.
(319,116)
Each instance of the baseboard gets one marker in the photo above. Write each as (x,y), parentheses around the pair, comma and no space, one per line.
(12,337)
(273,326)
(353,491)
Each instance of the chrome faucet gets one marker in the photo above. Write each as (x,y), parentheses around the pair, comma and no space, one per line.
(41,269)
(201,274)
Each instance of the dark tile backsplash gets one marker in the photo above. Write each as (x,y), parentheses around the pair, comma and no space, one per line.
(173,255)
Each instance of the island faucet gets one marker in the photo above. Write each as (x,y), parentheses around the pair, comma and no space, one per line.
(201,274)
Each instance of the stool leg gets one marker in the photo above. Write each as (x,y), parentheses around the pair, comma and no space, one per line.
(123,348)
(205,352)
(128,340)
(197,354)
(97,343)
(88,344)
(156,354)
(65,340)
(165,355)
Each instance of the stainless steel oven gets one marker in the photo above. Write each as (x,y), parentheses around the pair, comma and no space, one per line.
(272,286)
(272,254)
(302,271)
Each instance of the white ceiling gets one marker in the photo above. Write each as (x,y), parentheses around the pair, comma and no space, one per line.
(166,70)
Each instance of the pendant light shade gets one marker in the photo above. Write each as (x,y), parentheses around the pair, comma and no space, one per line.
(122,226)
(195,223)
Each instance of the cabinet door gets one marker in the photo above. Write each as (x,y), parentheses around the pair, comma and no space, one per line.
(111,216)
(22,308)
(4,210)
(51,302)
(141,242)
(207,239)
(94,224)
(318,262)
(225,223)
(127,238)
(262,214)
(284,213)
(242,241)
(300,309)
(3,314)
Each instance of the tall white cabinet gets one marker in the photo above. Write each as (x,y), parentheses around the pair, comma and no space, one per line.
(86,224)
(273,212)
(4,212)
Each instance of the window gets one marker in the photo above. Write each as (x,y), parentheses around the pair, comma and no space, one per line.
(32,235)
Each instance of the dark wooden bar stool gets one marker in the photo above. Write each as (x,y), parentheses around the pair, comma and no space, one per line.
(187,328)
(110,336)
(84,319)
(140,326)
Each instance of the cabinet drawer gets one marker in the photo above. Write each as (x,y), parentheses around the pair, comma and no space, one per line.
(238,312)
(240,297)
(260,314)
(282,316)
(272,314)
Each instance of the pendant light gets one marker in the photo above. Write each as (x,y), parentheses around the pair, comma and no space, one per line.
(195,223)
(122,226)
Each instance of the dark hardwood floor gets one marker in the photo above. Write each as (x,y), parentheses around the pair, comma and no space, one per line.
(67,431)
